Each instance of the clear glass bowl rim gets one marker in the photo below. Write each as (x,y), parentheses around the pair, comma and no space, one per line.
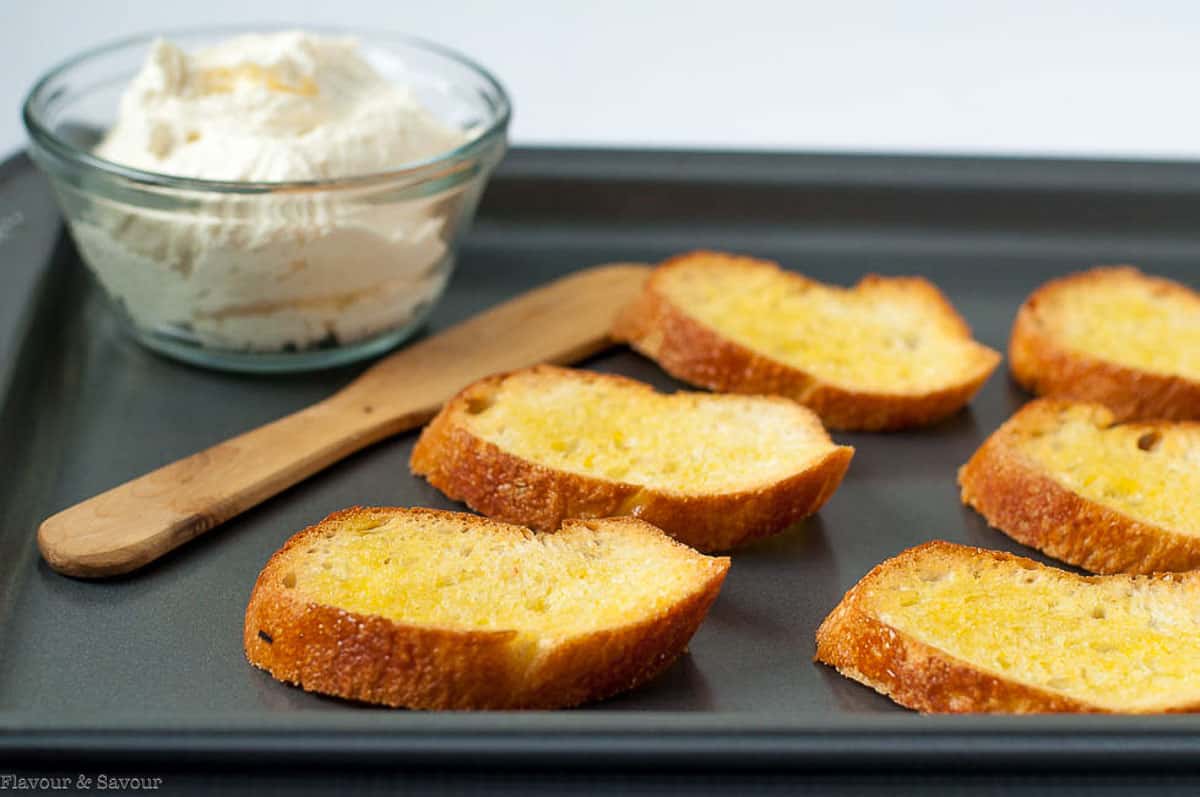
(42,136)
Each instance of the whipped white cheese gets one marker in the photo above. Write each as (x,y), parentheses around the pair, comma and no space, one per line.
(281,270)
(278,107)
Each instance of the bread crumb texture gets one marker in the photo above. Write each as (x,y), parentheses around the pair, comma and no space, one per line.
(452,571)
(1149,472)
(1123,643)
(1120,315)
(692,443)
(884,335)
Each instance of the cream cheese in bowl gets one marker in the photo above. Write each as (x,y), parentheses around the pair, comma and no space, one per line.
(266,108)
(286,198)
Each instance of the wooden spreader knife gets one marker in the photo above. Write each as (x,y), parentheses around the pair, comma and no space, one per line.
(133,524)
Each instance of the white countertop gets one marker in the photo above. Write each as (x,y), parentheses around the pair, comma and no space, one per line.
(1020,77)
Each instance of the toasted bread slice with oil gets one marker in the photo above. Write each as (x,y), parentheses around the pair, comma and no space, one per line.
(545,444)
(889,353)
(443,610)
(1115,336)
(950,628)
(1065,478)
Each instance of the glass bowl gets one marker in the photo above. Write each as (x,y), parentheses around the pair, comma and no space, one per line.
(268,276)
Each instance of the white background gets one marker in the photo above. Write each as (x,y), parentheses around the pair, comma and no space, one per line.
(1059,78)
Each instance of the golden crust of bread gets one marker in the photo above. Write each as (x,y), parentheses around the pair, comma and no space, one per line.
(1042,364)
(1018,497)
(919,676)
(694,352)
(511,488)
(369,658)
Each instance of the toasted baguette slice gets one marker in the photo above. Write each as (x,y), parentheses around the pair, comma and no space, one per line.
(950,628)
(1065,479)
(444,610)
(889,353)
(1115,336)
(541,445)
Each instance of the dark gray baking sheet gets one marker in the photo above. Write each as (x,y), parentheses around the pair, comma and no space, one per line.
(151,664)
